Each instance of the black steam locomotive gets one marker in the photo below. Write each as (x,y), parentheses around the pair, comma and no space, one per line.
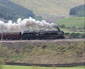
(32,35)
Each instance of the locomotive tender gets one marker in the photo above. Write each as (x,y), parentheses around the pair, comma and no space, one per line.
(32,35)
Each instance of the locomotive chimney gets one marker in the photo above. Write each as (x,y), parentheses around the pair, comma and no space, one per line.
(56,26)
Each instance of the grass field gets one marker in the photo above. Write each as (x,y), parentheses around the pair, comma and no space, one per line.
(72,24)
(70,31)
(72,21)
(35,67)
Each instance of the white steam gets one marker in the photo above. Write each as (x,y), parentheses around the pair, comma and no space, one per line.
(29,24)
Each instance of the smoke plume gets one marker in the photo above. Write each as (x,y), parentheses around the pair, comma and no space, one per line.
(28,24)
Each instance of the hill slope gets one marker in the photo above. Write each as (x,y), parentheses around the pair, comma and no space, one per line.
(49,7)
(10,10)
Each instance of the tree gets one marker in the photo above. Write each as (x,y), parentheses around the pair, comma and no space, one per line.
(78,11)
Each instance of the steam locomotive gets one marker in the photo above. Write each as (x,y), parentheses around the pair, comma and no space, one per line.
(32,35)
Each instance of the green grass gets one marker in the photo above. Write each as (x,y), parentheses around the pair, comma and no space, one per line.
(35,67)
(66,30)
(69,31)
(73,21)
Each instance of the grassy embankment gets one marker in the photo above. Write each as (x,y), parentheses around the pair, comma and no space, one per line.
(45,52)
(42,52)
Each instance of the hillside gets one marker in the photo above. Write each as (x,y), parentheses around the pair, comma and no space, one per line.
(10,10)
(49,7)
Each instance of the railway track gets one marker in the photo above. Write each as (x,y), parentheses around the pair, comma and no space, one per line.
(57,40)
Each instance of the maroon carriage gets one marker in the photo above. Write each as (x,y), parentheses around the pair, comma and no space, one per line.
(10,35)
